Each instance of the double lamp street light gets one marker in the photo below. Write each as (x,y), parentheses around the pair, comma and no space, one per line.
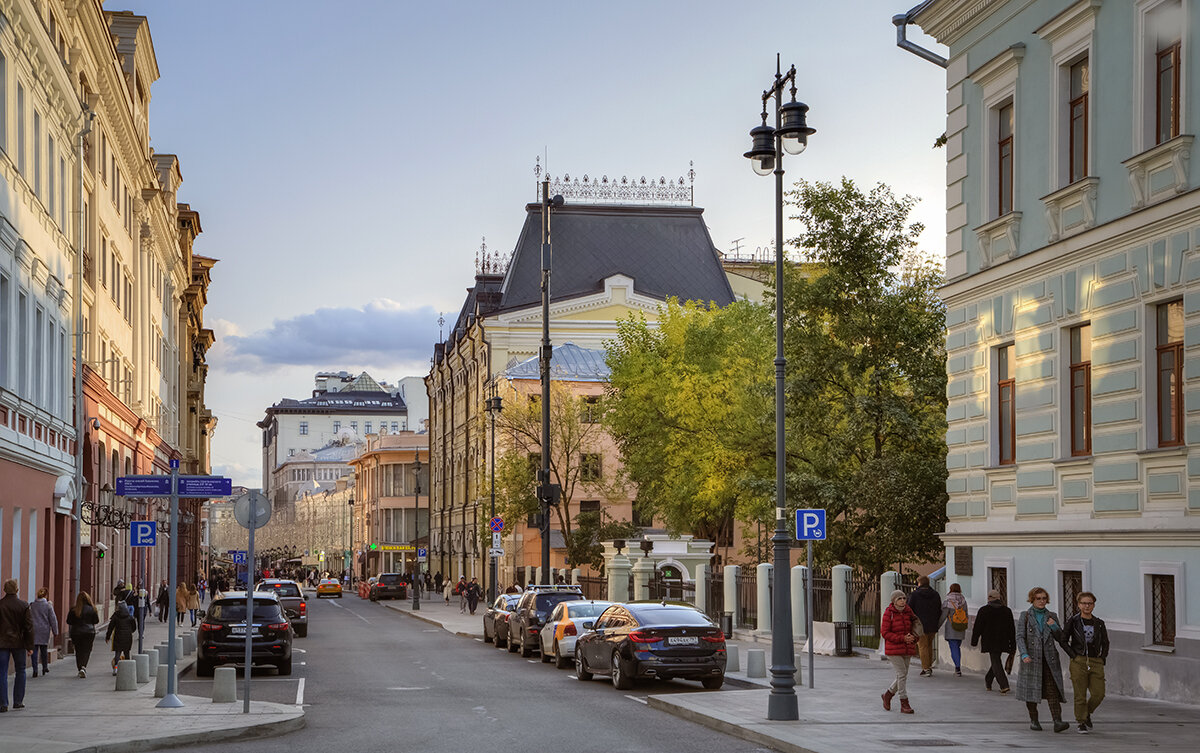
(789,135)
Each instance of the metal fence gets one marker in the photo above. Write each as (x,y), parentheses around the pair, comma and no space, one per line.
(672,589)
(594,587)
(747,593)
(716,597)
(822,602)
(864,610)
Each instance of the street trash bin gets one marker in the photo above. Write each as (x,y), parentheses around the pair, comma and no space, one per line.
(843,639)
(727,625)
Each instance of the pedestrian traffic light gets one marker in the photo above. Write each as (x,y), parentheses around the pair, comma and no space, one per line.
(99,554)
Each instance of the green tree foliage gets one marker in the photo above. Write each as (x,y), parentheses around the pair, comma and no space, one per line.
(866,381)
(690,409)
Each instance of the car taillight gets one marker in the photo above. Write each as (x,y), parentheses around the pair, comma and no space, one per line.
(639,637)
(278,626)
(716,638)
(303,608)
(570,629)
(209,628)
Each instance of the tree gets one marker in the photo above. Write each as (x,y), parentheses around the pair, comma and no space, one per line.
(866,389)
(689,407)
(574,434)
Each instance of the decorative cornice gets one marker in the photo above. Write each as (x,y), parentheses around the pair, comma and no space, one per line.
(624,191)
(1082,12)
(948,20)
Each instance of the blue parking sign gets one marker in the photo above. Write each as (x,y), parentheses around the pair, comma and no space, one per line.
(810,525)
(142,532)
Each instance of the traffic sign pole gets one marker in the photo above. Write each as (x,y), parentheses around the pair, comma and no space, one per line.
(170,700)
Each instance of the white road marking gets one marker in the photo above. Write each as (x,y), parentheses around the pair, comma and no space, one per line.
(572,677)
(479,639)
(639,700)
(423,688)
(299,651)
(351,611)
(531,661)
(303,663)
(431,631)
(300,692)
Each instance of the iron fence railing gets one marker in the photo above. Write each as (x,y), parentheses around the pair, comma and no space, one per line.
(747,593)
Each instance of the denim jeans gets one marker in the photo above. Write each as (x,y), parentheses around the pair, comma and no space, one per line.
(18,657)
(955,652)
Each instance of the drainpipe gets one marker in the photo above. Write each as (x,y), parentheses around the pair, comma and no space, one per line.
(77,306)
(901,21)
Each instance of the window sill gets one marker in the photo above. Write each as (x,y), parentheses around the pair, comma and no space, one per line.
(998,468)
(1071,209)
(1157,649)
(1174,450)
(1159,172)
(1074,460)
(998,239)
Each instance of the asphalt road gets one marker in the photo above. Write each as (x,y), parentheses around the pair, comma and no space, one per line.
(372,679)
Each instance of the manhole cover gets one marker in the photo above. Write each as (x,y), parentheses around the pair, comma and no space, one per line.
(924,742)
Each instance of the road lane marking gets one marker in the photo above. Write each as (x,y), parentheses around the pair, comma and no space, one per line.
(299,651)
(351,611)
(639,700)
(300,692)
(424,688)
(479,639)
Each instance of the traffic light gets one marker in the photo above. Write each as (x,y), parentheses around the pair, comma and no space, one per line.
(99,554)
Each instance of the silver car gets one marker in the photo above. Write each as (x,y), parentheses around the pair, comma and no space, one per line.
(563,628)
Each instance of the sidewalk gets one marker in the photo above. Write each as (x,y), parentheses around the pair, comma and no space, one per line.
(844,711)
(66,713)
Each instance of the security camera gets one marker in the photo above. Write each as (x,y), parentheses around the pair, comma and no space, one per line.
(96,424)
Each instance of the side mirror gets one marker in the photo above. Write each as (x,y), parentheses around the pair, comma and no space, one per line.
(589,626)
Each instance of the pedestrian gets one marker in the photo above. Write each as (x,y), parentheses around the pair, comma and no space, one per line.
(163,600)
(16,642)
(1087,644)
(437,581)
(447,590)
(121,593)
(45,625)
(926,604)
(193,602)
(474,593)
(201,587)
(513,589)
(994,628)
(900,629)
(461,589)
(181,598)
(954,617)
(1040,675)
(81,626)
(120,632)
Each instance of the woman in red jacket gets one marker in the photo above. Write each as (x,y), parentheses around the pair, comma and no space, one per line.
(898,629)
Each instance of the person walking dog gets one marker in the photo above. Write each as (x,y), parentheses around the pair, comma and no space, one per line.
(994,628)
(1040,675)
(45,626)
(900,628)
(926,604)
(16,641)
(1087,644)
(81,626)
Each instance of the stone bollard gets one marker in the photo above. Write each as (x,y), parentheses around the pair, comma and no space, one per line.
(160,681)
(700,594)
(153,654)
(127,674)
(189,643)
(729,586)
(225,685)
(178,648)
(756,663)
(142,662)
(841,593)
(799,603)
(731,659)
(162,652)
(762,583)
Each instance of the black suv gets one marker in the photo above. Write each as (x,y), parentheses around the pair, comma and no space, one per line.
(531,612)
(389,586)
(222,635)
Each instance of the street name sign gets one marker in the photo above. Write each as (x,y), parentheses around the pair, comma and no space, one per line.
(142,532)
(810,525)
(144,486)
(205,486)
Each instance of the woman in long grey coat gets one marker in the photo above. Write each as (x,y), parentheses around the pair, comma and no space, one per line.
(45,626)
(1040,675)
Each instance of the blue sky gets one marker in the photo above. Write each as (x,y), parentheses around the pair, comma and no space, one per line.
(348,158)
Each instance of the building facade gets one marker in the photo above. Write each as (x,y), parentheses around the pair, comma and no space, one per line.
(1073,317)
(391,513)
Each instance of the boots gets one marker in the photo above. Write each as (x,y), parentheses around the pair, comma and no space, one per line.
(887,700)
(904,707)
(1060,725)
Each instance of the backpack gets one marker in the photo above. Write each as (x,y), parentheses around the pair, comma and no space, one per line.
(958,618)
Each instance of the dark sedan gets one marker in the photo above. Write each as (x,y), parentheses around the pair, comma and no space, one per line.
(495,619)
(389,586)
(222,635)
(654,640)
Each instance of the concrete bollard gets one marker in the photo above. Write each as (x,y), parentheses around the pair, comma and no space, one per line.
(756,663)
(178,648)
(142,662)
(152,653)
(729,586)
(160,681)
(762,583)
(127,674)
(189,643)
(731,659)
(700,594)
(799,603)
(841,593)
(225,685)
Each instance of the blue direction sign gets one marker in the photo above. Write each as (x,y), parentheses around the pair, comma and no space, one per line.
(142,532)
(496,524)
(422,553)
(205,486)
(810,525)
(144,486)
(239,558)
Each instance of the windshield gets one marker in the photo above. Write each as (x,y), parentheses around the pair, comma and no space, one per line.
(546,602)
(280,589)
(586,610)
(235,611)
(668,616)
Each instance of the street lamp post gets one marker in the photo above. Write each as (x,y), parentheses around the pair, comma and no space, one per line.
(494,406)
(350,548)
(416,530)
(790,135)
(545,489)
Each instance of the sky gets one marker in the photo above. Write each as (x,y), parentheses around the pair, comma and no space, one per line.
(348,159)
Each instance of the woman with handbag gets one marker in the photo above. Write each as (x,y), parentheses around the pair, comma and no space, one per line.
(900,629)
(1040,674)
(81,625)
(994,628)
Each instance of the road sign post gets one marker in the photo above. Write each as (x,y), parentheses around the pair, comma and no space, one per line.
(251,511)
(810,527)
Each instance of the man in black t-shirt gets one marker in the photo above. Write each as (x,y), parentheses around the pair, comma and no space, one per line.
(1087,643)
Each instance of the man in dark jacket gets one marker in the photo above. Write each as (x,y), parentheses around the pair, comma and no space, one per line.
(994,624)
(120,632)
(16,641)
(927,605)
(1087,644)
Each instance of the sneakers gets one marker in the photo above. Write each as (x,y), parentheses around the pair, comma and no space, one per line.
(83,673)
(1005,691)
(1088,722)
(1061,726)
(18,705)
(957,672)
(926,673)
(3,709)
(1082,729)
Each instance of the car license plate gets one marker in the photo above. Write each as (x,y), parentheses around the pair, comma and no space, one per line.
(682,640)
(241,630)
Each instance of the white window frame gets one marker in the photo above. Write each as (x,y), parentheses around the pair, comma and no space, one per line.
(1064,565)
(997,80)
(1145,71)
(1177,570)
(1071,36)
(1009,564)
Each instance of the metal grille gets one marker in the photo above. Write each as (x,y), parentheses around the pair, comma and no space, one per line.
(864,600)
(594,588)
(716,597)
(1072,585)
(998,578)
(822,585)
(747,591)
(1162,588)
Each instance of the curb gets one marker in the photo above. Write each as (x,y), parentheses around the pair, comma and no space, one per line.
(431,621)
(250,732)
(732,728)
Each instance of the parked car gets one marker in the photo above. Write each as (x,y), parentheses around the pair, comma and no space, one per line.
(658,640)
(563,628)
(388,586)
(495,619)
(222,635)
(329,587)
(531,612)
(291,596)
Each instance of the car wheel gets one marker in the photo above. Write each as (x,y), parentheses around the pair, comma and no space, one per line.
(526,651)
(713,683)
(500,642)
(581,672)
(302,631)
(285,666)
(204,668)
(622,678)
(560,662)
(546,657)
(512,647)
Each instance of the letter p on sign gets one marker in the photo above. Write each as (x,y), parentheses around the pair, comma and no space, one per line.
(810,525)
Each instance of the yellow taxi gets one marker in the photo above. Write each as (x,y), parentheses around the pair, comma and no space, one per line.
(329,587)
